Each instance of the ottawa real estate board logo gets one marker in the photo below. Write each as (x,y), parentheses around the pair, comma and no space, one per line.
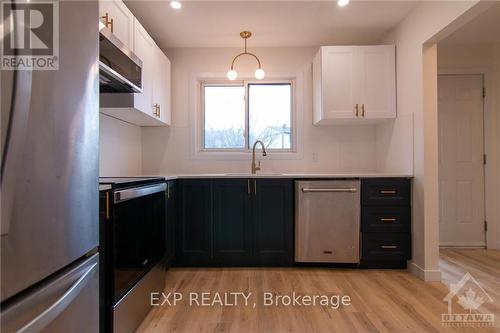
(30,36)
(471,297)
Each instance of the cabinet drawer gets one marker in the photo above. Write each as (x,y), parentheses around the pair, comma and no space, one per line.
(386,247)
(385,219)
(385,192)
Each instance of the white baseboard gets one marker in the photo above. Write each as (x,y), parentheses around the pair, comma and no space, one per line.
(426,275)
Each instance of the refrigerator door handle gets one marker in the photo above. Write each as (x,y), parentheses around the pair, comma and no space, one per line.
(13,145)
(43,319)
(47,316)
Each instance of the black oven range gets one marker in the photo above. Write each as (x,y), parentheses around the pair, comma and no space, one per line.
(132,241)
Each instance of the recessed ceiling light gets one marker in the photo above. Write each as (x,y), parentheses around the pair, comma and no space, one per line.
(175,4)
(342,3)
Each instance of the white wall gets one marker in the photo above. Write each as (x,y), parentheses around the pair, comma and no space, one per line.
(425,22)
(170,150)
(482,59)
(120,148)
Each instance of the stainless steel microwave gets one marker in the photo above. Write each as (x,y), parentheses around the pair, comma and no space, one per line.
(120,70)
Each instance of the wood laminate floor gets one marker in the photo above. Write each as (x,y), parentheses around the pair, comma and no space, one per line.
(381,300)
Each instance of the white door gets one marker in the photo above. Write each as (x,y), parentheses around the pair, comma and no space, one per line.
(377,82)
(461,169)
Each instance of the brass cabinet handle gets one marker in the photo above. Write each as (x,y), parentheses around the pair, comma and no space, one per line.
(357,110)
(159,110)
(362,110)
(255,187)
(388,220)
(107,205)
(248,186)
(386,247)
(388,192)
(108,21)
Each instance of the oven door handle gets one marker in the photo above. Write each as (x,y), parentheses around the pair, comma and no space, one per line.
(137,192)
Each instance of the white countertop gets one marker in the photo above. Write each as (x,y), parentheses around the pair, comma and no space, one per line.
(285,175)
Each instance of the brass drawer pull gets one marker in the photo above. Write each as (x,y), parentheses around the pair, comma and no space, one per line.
(388,220)
(362,110)
(357,110)
(388,192)
(386,247)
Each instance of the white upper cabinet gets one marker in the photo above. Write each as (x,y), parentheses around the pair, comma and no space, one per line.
(145,49)
(152,106)
(354,83)
(119,18)
(161,87)
(378,81)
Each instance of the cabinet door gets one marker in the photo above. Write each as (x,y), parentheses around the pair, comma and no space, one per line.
(195,222)
(171,222)
(144,47)
(123,20)
(273,222)
(232,222)
(161,86)
(377,81)
(339,82)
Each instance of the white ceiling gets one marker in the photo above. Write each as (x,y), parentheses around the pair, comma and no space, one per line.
(273,23)
(485,28)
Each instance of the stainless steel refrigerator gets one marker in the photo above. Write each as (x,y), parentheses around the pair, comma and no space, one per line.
(49,185)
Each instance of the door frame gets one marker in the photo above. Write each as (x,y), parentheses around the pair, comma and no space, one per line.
(489,137)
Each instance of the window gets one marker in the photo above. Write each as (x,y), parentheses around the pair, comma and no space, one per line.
(236,115)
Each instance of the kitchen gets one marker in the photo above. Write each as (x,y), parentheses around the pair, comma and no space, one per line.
(288,177)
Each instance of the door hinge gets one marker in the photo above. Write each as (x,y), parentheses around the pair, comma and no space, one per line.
(485,225)
(484,92)
(484,159)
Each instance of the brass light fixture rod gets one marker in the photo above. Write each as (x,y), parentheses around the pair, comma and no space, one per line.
(245,35)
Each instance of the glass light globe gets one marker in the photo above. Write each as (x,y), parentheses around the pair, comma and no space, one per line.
(342,3)
(232,75)
(259,74)
(175,4)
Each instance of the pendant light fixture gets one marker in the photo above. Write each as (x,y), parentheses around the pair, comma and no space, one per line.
(259,73)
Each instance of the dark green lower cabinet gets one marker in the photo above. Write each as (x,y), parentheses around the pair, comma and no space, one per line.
(235,222)
(194,236)
(232,222)
(171,218)
(273,222)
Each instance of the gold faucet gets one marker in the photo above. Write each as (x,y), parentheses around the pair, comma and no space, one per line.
(255,167)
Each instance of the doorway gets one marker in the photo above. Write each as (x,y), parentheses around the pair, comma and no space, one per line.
(461,160)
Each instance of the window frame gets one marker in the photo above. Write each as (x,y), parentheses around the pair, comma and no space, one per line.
(245,84)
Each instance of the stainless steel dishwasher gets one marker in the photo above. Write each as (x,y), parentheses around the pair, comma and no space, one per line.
(327,221)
